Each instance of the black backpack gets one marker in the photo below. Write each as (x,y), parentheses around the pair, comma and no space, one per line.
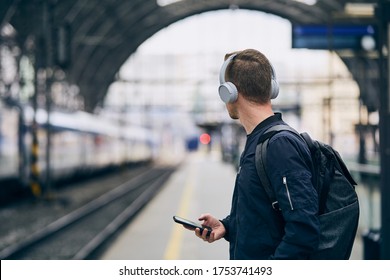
(338,201)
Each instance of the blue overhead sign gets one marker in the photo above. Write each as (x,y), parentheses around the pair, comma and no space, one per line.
(336,37)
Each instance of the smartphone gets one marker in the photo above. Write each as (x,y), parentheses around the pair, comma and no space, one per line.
(192,224)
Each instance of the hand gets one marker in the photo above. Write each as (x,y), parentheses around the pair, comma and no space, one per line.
(218,230)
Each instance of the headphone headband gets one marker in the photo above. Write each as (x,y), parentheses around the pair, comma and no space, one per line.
(225,64)
(228,91)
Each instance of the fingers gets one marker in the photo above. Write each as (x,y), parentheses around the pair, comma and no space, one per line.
(217,232)
(204,236)
(204,217)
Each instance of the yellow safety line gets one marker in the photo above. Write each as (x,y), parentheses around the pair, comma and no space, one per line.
(172,252)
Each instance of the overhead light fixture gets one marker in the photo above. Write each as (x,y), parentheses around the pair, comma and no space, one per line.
(163,3)
(360,9)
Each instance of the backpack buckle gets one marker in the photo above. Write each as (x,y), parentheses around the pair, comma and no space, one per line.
(275,206)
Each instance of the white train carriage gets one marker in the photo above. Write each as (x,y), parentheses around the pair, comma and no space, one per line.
(80,142)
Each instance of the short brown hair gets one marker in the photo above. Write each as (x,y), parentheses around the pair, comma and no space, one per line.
(251,72)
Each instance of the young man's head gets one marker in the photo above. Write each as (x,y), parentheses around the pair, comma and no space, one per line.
(250,74)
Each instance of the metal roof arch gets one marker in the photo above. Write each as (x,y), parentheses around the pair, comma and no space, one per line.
(105,33)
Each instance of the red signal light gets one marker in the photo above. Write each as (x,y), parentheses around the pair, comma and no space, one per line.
(205,138)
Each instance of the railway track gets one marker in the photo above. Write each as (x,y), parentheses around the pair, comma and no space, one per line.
(82,232)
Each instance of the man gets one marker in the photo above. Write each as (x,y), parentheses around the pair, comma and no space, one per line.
(254,228)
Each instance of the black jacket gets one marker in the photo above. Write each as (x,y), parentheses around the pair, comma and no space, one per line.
(253,228)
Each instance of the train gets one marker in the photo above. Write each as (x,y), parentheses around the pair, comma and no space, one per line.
(80,143)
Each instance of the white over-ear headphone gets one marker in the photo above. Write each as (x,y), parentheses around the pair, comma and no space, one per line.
(228,91)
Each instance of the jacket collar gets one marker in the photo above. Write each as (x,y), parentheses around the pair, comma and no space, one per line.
(277,117)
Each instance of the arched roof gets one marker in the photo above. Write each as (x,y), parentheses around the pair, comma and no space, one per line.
(106,32)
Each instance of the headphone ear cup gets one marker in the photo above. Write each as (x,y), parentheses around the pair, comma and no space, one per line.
(274,84)
(228,92)
(274,89)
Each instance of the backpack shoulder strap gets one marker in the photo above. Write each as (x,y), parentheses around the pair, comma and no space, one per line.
(260,158)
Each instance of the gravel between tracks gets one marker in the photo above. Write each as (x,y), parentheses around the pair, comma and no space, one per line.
(25,216)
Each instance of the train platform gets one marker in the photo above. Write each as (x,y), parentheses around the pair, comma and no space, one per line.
(203,184)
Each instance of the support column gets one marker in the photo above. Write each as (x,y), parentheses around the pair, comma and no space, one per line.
(384,127)
(47,27)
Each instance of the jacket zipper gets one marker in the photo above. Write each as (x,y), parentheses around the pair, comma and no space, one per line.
(288,192)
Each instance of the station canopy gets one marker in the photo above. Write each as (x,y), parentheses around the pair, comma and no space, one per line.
(102,34)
